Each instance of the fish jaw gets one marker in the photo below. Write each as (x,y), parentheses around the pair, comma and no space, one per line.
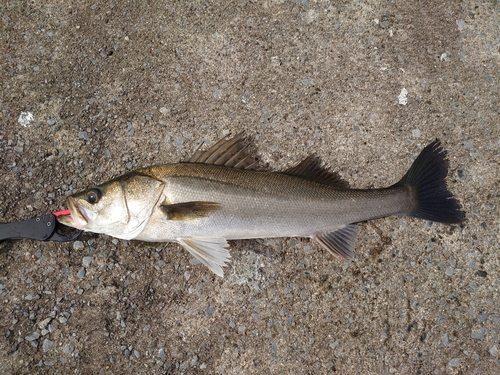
(79,217)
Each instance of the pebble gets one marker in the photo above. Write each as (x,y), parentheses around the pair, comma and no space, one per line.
(161,353)
(469,145)
(70,348)
(43,324)
(34,336)
(137,354)
(210,310)
(445,339)
(87,261)
(493,350)
(274,347)
(47,344)
(81,273)
(78,245)
(416,133)
(479,335)
(454,362)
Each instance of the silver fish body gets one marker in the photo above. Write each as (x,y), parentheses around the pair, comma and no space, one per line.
(219,196)
(257,204)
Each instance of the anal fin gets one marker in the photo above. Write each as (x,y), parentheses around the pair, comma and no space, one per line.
(340,242)
(209,251)
(189,210)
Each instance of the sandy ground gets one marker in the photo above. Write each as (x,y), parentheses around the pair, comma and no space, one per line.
(91,91)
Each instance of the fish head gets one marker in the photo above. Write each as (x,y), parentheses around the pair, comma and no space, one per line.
(119,208)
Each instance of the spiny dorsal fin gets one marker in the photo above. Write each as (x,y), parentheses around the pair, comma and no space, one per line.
(229,152)
(189,210)
(341,242)
(312,169)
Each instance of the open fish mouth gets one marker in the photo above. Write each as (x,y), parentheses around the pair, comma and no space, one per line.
(79,218)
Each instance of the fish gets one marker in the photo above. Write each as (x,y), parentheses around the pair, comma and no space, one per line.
(224,193)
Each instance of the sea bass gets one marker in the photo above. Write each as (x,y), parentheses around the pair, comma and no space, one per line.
(221,194)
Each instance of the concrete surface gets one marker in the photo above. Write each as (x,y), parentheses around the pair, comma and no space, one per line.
(92,90)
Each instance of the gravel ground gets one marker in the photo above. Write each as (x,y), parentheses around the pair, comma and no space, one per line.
(91,91)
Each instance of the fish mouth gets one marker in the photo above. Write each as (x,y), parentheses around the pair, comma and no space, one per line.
(78,217)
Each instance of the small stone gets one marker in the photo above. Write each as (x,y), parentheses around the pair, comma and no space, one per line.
(449,271)
(210,310)
(493,350)
(81,273)
(453,362)
(34,336)
(62,319)
(87,261)
(69,348)
(274,348)
(161,353)
(469,145)
(78,245)
(416,133)
(403,96)
(217,94)
(445,339)
(137,354)
(47,344)
(479,335)
(43,324)
(26,119)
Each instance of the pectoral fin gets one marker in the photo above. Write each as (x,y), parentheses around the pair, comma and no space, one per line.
(189,210)
(341,242)
(209,251)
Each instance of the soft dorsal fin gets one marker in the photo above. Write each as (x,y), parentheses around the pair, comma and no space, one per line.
(229,152)
(312,169)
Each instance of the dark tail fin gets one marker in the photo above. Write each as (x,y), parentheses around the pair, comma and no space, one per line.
(427,174)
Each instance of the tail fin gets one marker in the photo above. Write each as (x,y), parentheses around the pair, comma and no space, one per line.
(427,174)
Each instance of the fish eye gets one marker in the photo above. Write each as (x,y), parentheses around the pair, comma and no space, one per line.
(93,195)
